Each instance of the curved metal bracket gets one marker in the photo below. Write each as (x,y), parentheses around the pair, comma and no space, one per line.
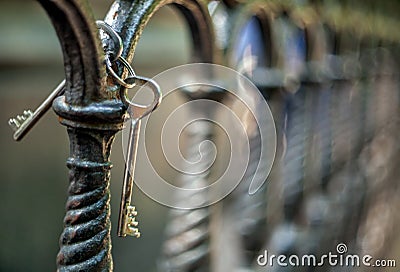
(83,54)
(129,18)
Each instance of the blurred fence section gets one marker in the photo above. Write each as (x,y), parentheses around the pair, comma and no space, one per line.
(330,72)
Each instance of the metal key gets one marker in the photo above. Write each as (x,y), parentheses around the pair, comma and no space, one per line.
(127,224)
(23,123)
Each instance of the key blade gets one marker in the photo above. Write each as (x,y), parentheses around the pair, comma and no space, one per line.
(24,127)
(130,226)
(126,211)
(129,223)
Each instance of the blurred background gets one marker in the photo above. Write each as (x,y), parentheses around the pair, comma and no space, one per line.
(35,177)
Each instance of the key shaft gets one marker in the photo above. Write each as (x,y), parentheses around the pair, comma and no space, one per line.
(127,222)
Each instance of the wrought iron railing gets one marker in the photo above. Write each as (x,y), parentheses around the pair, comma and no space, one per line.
(329,71)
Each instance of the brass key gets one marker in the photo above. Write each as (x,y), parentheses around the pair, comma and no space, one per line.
(127,224)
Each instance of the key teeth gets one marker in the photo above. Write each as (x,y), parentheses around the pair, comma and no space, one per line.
(16,122)
(132,231)
(131,222)
(28,113)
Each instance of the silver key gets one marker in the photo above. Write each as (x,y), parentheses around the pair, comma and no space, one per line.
(127,224)
(23,123)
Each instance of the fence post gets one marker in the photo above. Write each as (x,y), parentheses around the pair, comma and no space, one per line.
(92,121)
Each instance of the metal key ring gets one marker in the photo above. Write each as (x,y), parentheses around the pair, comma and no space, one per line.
(117,77)
(137,111)
(114,56)
(114,37)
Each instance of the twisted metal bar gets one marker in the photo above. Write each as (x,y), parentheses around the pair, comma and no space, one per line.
(323,133)
(251,220)
(187,246)
(85,241)
(297,135)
